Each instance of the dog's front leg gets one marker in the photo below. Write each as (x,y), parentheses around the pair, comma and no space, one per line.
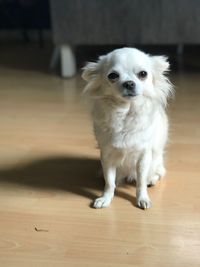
(143,167)
(107,196)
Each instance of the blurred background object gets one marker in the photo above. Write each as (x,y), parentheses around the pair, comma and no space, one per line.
(75,31)
(123,23)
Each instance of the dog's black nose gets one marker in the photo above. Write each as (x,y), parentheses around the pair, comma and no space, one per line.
(130,85)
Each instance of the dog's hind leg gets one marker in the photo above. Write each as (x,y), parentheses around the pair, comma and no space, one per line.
(158,169)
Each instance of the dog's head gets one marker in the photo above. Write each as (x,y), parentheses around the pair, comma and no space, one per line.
(128,73)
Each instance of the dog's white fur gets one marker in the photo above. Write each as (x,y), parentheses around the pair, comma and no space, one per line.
(131,131)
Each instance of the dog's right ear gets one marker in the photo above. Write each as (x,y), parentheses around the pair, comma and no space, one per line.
(90,71)
(92,74)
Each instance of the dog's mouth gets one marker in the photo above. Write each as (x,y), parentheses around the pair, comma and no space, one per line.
(129,95)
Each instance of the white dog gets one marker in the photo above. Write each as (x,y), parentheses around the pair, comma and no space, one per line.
(129,92)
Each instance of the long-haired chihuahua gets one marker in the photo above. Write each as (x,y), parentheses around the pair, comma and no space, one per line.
(129,92)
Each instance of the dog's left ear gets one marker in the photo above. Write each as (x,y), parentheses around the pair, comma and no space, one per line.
(160,64)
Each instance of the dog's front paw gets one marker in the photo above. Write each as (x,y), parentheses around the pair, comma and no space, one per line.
(101,202)
(143,202)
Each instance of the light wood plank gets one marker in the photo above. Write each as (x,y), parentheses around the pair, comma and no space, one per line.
(49,174)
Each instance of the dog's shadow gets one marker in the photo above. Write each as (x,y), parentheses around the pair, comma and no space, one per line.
(79,176)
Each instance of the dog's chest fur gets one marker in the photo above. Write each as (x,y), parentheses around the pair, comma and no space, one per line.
(124,126)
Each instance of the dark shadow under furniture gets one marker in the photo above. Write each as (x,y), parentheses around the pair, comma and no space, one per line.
(25,15)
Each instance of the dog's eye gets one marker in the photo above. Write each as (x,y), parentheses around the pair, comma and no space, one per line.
(113,76)
(142,74)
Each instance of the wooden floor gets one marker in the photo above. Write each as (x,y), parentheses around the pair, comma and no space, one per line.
(49,173)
